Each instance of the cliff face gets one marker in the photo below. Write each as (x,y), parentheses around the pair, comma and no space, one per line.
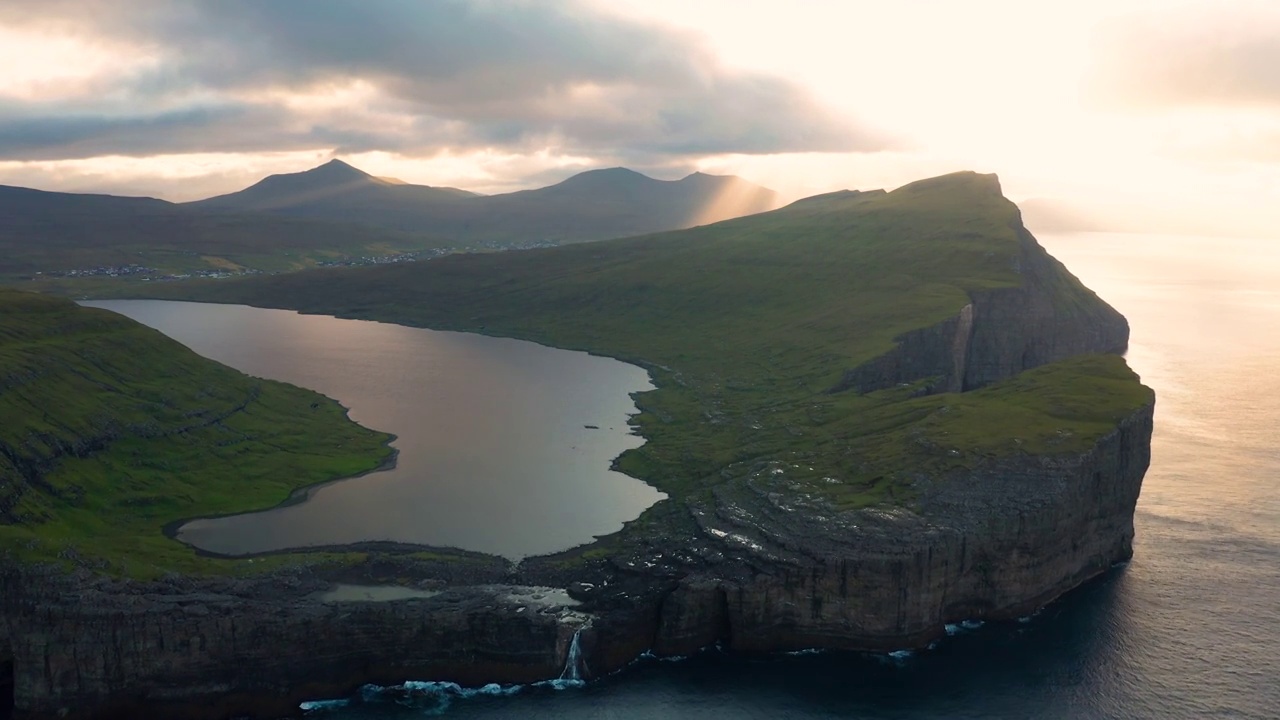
(214,649)
(996,542)
(752,563)
(758,575)
(1050,316)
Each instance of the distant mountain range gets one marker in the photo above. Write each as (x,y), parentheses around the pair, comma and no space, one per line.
(593,205)
(52,234)
(337,214)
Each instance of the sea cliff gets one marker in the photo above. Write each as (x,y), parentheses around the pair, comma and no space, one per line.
(1001,332)
(883,413)
(758,575)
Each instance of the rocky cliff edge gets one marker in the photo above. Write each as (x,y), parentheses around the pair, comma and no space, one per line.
(755,564)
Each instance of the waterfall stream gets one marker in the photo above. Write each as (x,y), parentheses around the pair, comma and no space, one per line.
(573,659)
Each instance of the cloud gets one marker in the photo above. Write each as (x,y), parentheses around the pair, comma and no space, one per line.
(68,131)
(509,74)
(1189,58)
(33,136)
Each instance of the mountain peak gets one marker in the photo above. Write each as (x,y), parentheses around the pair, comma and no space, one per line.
(334,173)
(336,168)
(604,180)
(619,171)
(613,173)
(319,184)
(701,177)
(591,205)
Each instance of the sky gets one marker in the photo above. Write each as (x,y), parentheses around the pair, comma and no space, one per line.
(1136,115)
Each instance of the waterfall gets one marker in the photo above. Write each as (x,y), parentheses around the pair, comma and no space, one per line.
(573,659)
(960,349)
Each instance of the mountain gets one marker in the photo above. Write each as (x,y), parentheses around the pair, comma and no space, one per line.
(53,234)
(335,191)
(594,205)
(336,213)
(617,202)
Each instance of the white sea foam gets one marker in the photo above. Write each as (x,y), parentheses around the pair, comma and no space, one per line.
(312,705)
(428,694)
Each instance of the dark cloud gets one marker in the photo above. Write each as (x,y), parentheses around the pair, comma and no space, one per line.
(66,133)
(1189,59)
(513,74)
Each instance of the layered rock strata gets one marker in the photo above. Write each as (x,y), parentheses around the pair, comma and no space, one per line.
(758,571)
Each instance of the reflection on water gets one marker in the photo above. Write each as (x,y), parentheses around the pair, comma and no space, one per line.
(504,445)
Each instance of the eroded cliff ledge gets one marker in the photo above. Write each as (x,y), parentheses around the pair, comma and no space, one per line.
(938,440)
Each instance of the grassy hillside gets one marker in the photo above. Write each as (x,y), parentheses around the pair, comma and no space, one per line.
(109,430)
(746,324)
(46,235)
(594,205)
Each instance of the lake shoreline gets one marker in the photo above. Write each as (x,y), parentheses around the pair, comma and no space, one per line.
(482,427)
(173,528)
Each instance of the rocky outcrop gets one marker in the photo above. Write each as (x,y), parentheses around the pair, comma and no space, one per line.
(1048,317)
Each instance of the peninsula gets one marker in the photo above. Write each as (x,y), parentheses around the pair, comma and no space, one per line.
(876,414)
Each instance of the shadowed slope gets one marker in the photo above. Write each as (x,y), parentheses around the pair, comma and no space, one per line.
(334,190)
(593,205)
(50,233)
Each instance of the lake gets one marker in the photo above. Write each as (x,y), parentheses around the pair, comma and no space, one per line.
(504,445)
(1189,629)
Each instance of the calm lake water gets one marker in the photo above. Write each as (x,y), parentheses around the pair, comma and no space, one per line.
(1189,629)
(495,450)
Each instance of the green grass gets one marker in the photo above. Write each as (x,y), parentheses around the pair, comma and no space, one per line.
(109,431)
(874,443)
(746,324)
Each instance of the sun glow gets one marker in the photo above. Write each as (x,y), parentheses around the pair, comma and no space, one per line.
(46,67)
(1004,86)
